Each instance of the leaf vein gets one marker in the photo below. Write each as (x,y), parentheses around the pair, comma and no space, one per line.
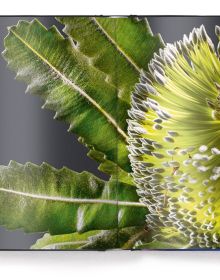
(74,200)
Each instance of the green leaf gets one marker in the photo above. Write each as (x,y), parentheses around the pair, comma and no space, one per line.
(42,198)
(120,47)
(93,240)
(71,241)
(67,82)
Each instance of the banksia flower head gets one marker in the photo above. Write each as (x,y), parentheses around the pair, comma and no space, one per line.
(174,140)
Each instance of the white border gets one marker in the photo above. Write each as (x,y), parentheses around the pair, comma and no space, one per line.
(110,7)
(115,265)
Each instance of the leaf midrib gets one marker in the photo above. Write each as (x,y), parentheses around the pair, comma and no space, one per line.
(74,86)
(74,200)
(114,43)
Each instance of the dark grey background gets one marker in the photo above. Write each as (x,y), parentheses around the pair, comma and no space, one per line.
(28,133)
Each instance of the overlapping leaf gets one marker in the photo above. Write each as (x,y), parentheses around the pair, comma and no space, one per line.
(120,47)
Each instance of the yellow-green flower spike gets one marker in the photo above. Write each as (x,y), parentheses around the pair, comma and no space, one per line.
(174,140)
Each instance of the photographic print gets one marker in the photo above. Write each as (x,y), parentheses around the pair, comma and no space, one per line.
(115,144)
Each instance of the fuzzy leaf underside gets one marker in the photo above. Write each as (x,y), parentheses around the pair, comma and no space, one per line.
(93,240)
(55,70)
(119,47)
(42,198)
